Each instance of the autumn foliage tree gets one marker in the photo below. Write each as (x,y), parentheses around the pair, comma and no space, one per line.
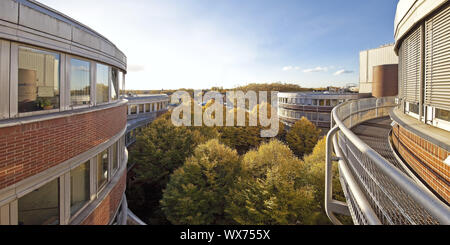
(272,188)
(196,191)
(302,137)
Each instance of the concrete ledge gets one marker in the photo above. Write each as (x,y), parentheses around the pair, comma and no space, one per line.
(437,136)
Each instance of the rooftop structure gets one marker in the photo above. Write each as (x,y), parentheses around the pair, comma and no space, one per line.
(393,152)
(369,61)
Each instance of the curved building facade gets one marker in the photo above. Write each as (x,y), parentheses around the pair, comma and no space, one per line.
(315,106)
(394,152)
(142,110)
(422,130)
(62,120)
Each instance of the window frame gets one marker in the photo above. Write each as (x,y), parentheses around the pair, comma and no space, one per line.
(13,81)
(92,82)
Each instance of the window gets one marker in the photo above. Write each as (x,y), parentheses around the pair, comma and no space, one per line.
(115,160)
(443,114)
(328,102)
(314,102)
(121,83)
(79,187)
(141,108)
(147,107)
(102,169)
(414,108)
(102,86)
(321,102)
(41,206)
(114,83)
(133,109)
(80,82)
(38,80)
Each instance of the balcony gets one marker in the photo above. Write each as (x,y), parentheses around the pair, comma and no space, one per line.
(379,188)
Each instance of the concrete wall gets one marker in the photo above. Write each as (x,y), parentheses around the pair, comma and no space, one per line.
(36,24)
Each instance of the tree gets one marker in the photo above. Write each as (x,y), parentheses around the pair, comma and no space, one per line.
(315,177)
(302,137)
(196,192)
(159,150)
(272,188)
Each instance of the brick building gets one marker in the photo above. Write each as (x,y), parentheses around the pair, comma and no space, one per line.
(62,120)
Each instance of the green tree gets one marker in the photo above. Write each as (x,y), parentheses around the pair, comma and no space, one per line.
(315,177)
(196,192)
(159,150)
(272,189)
(302,137)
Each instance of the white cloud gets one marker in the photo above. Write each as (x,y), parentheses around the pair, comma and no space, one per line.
(317,69)
(343,71)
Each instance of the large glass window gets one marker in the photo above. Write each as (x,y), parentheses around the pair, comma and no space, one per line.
(41,206)
(102,169)
(79,187)
(38,80)
(147,107)
(102,86)
(80,82)
(141,108)
(114,83)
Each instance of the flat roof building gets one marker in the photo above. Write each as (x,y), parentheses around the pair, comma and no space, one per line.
(315,106)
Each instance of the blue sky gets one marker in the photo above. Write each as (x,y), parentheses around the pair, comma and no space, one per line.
(202,43)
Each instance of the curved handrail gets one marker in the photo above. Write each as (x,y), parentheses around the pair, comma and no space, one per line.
(429,202)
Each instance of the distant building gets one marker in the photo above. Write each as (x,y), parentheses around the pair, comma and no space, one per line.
(142,110)
(376,59)
(315,106)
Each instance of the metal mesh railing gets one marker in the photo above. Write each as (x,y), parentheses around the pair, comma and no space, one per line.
(391,194)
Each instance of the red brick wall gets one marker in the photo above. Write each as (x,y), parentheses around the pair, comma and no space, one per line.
(104,213)
(28,149)
(417,151)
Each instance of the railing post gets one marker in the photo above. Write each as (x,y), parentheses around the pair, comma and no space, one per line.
(329,176)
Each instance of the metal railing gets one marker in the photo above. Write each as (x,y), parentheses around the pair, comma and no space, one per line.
(376,191)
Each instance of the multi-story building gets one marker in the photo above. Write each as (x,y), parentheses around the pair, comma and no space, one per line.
(315,106)
(394,152)
(62,120)
(377,63)
(142,110)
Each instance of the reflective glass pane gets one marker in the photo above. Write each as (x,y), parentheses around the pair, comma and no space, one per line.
(38,80)
(80,82)
(41,206)
(79,187)
(102,169)
(102,87)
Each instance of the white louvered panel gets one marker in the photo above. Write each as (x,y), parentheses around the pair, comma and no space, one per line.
(412,60)
(401,71)
(437,60)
